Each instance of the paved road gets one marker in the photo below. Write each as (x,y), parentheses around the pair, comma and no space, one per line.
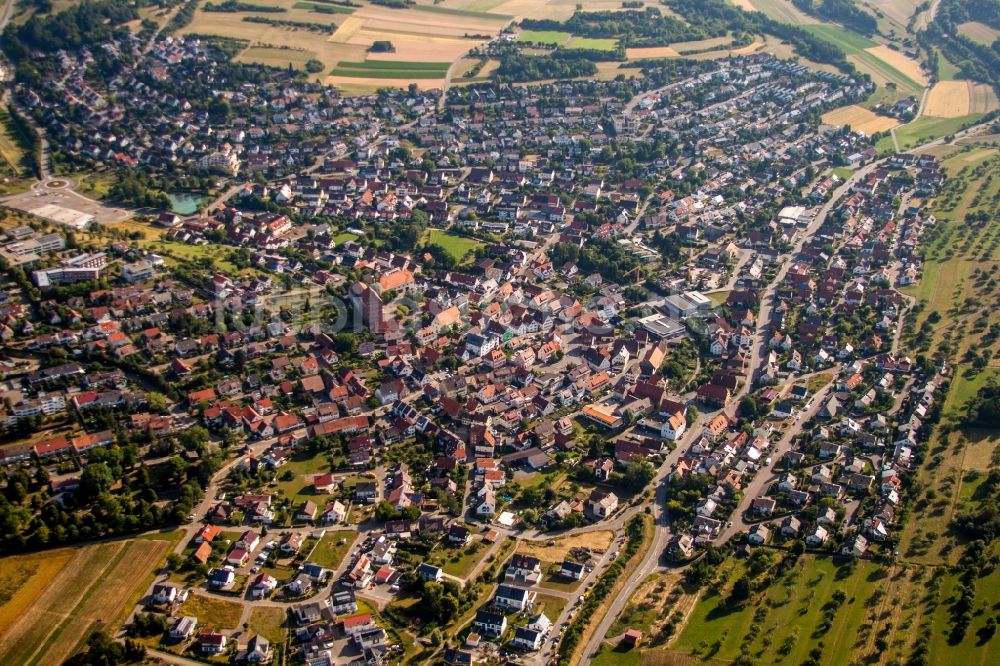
(765,475)
(172,658)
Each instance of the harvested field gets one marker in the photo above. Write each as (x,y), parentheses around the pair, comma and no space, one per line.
(979,32)
(559,10)
(414,49)
(347,29)
(860,119)
(423,22)
(895,13)
(752,47)
(608,71)
(105,598)
(559,550)
(22,580)
(700,44)
(326,50)
(357,85)
(597,44)
(948,99)
(982,98)
(651,52)
(899,61)
(744,5)
(781,10)
(90,588)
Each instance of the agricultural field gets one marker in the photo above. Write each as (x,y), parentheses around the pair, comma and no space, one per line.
(756,45)
(779,10)
(275,57)
(592,43)
(895,14)
(275,38)
(702,44)
(392,69)
(544,37)
(929,128)
(860,119)
(952,296)
(895,75)
(55,604)
(642,52)
(456,246)
(979,32)
(806,598)
(954,99)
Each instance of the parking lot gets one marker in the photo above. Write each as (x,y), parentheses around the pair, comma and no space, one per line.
(56,201)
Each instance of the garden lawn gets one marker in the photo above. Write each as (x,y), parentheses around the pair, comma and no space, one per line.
(468,557)
(456,246)
(329,551)
(554,581)
(551,605)
(300,488)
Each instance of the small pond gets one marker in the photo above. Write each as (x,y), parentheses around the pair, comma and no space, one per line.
(186,203)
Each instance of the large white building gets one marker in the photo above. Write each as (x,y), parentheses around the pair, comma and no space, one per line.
(80,268)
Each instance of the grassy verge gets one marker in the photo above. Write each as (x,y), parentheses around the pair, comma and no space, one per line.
(639,529)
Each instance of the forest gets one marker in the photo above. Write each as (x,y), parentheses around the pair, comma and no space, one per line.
(516,66)
(646,27)
(90,22)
